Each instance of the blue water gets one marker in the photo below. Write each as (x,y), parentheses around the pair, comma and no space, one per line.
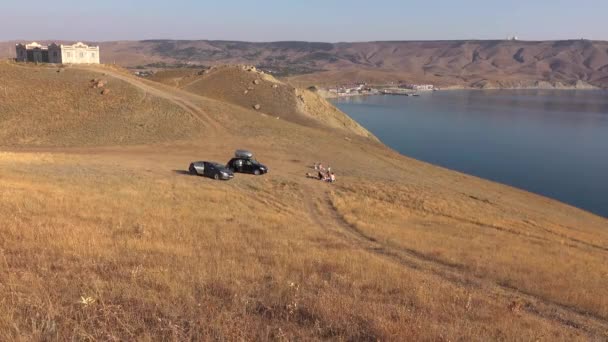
(554,143)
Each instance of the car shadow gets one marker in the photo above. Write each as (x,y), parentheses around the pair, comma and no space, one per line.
(183,172)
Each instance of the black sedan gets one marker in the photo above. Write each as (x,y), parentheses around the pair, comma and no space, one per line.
(247,165)
(211,169)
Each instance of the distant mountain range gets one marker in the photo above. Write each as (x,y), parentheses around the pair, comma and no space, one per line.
(480,64)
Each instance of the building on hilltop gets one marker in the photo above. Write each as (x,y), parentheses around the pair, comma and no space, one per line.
(78,53)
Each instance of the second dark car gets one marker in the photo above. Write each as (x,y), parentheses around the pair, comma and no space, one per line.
(247,165)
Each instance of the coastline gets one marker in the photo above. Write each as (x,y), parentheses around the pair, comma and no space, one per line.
(420,107)
(328,95)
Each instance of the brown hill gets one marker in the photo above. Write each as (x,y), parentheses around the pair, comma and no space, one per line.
(248,87)
(50,106)
(120,243)
(445,63)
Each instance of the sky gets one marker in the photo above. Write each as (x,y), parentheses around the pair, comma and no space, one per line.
(311,20)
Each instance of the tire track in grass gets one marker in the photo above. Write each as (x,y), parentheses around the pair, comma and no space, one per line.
(323,213)
(172,95)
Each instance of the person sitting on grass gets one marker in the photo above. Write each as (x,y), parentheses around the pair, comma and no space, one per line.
(332,177)
(326,177)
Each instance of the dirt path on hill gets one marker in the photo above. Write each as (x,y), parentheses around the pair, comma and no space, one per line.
(172,94)
(323,213)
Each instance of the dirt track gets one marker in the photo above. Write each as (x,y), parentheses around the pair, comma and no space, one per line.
(324,214)
(180,98)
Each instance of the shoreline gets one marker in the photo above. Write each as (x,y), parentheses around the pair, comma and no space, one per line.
(329,96)
(569,200)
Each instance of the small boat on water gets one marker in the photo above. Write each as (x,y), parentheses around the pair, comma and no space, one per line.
(415,94)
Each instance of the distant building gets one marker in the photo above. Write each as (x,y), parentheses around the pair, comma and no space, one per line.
(78,53)
(418,87)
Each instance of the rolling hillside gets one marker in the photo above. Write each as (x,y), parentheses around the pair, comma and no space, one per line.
(484,64)
(50,106)
(249,88)
(105,235)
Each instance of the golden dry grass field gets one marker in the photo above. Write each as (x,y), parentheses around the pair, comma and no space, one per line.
(104,236)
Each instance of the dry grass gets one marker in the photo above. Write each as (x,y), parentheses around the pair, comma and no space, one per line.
(555,263)
(42,107)
(116,243)
(243,87)
(157,256)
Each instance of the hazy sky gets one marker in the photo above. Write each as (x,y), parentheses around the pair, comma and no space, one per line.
(312,20)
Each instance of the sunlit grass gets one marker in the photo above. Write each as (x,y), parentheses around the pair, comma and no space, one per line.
(114,254)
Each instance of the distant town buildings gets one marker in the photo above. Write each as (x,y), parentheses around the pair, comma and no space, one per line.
(364,89)
(350,90)
(78,53)
(418,87)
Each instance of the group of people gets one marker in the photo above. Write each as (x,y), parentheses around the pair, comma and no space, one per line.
(325,174)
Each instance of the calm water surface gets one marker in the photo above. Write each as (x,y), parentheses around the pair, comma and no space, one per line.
(553,143)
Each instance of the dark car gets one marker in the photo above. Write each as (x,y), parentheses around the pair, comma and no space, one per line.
(211,169)
(247,165)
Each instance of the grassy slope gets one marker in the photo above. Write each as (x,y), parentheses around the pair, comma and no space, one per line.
(40,106)
(235,85)
(414,252)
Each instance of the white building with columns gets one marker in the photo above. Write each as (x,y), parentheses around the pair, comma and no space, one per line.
(78,53)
